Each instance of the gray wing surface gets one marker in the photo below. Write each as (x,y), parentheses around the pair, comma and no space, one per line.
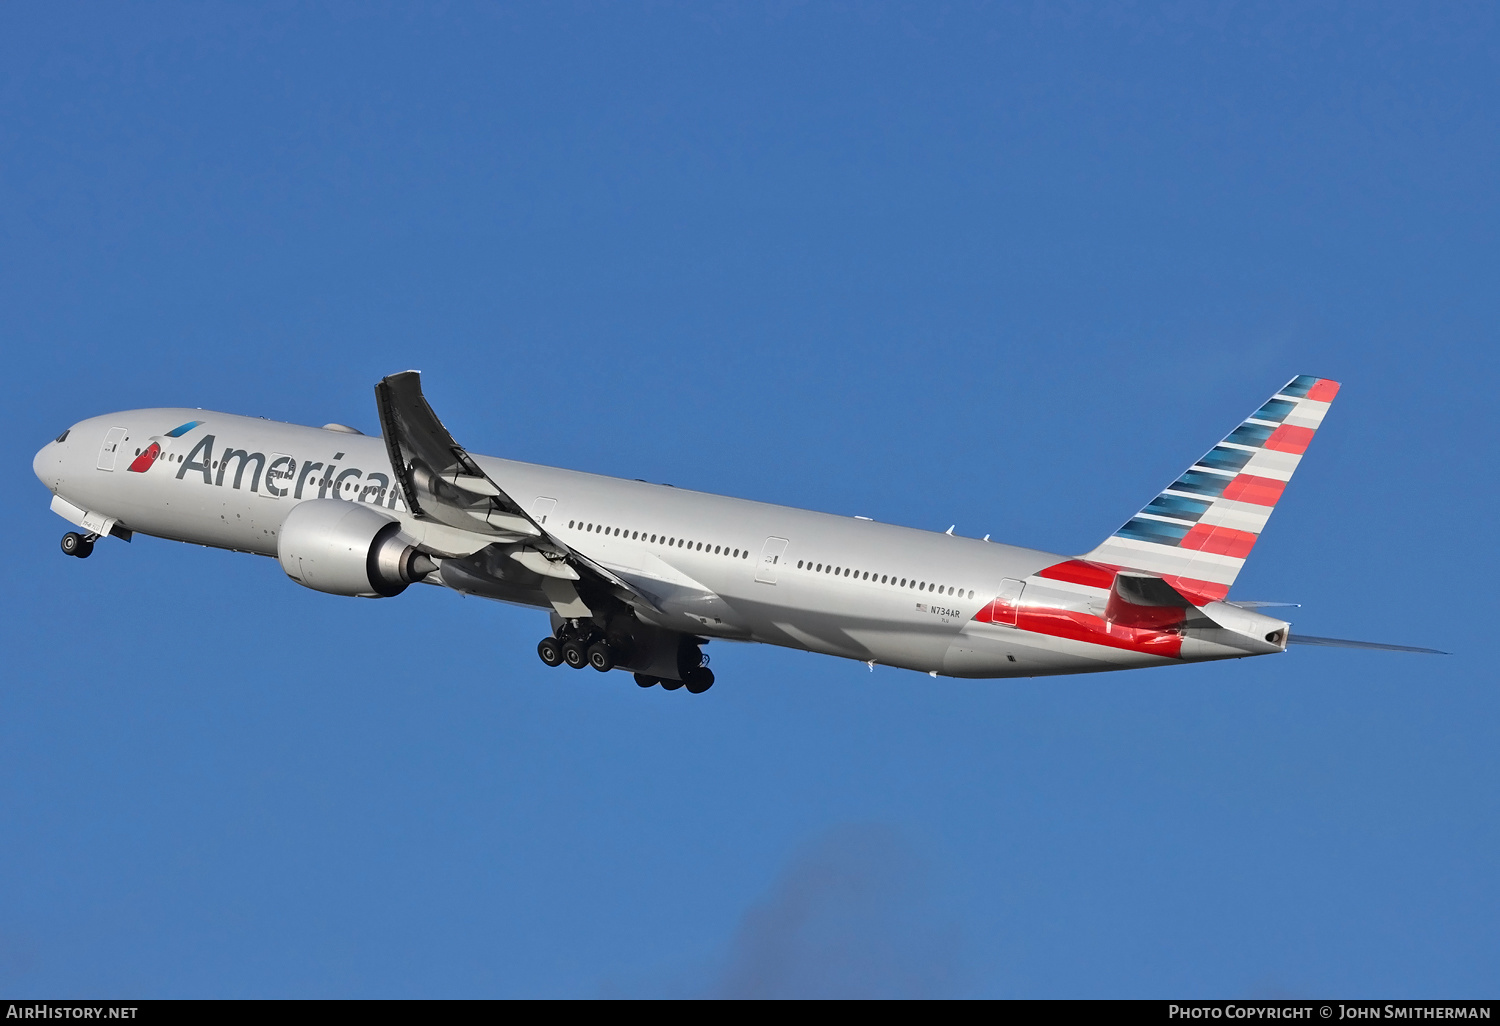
(441,482)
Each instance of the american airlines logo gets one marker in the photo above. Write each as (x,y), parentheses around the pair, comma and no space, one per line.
(152,452)
(273,476)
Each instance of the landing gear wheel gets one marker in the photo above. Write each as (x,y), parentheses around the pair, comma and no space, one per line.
(601,657)
(551,651)
(645,681)
(670,685)
(74,544)
(574,655)
(700,680)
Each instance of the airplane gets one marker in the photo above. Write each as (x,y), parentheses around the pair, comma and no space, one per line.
(639,576)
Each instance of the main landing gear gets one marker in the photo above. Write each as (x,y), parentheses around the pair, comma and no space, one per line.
(699,680)
(80,545)
(578,649)
(579,645)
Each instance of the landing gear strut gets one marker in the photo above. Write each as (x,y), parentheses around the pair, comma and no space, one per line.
(74,544)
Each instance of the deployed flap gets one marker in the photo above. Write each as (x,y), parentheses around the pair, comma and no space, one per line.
(441,482)
(438,479)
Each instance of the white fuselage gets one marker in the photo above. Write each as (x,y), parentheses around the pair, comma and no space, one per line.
(715,566)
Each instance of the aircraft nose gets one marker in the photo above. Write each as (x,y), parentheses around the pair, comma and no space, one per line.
(48,460)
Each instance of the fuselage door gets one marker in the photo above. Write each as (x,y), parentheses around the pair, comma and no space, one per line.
(542,509)
(112,440)
(1007,599)
(770,557)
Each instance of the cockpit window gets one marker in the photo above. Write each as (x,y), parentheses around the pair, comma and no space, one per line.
(64,436)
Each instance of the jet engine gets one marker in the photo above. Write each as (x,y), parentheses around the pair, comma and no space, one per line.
(344,548)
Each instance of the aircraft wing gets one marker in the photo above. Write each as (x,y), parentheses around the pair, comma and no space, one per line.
(441,482)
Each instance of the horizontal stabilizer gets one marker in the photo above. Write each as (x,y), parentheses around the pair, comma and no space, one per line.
(1308,639)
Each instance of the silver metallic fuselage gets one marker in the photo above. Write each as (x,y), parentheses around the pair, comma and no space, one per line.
(732,593)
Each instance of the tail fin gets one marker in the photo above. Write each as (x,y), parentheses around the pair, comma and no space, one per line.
(1197,533)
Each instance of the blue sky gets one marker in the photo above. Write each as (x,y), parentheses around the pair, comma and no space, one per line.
(1009,267)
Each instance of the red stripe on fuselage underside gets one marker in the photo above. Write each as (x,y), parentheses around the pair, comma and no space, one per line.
(1102,576)
(1199,593)
(995,612)
(1077,571)
(1223,541)
(1323,391)
(1289,439)
(1074,626)
(1262,491)
(143,461)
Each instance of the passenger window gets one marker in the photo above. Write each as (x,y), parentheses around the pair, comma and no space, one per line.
(971,594)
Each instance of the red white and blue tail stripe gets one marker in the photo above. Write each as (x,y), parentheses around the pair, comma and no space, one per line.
(1198,531)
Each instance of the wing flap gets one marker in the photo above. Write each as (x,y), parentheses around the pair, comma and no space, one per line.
(443,484)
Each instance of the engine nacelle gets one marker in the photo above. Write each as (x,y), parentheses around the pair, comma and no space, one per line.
(346,548)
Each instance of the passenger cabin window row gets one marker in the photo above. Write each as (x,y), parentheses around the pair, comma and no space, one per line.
(671,542)
(869,575)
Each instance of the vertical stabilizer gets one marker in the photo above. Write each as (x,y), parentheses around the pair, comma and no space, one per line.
(1198,531)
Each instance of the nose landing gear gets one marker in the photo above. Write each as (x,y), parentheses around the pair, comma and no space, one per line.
(74,544)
